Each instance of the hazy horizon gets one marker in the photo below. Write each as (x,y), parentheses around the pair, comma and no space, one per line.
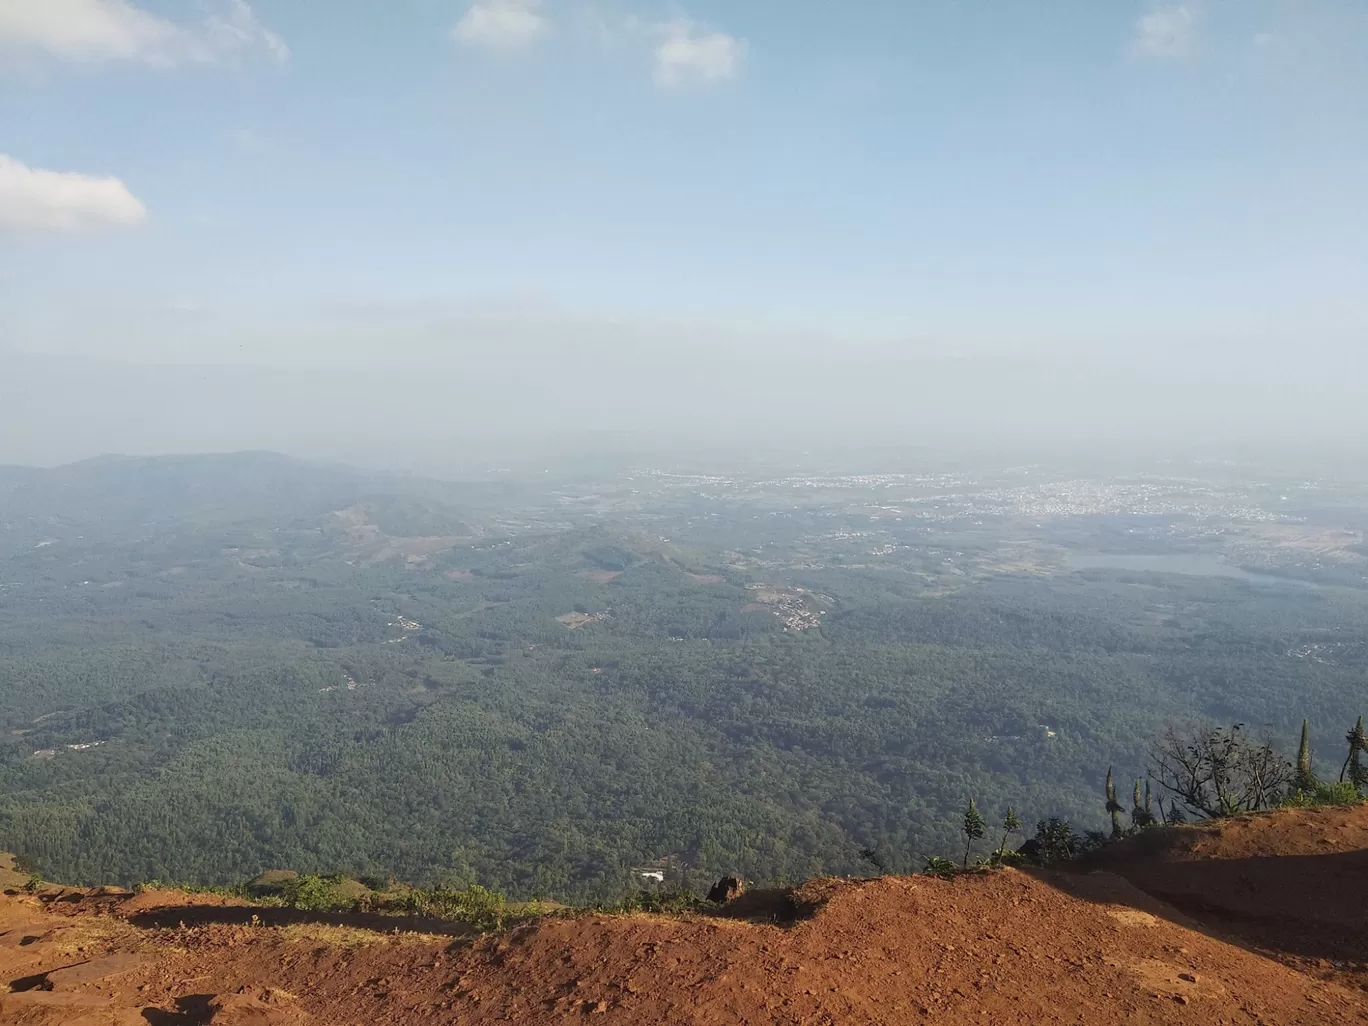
(456,232)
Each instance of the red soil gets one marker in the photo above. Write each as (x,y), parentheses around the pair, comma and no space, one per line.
(1293,884)
(1006,947)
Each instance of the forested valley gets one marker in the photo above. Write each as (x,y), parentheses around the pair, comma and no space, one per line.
(215,666)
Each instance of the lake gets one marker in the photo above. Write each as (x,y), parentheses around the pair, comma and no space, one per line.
(1194,564)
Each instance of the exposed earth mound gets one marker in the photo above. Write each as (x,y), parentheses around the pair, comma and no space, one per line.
(1294,884)
(1002,947)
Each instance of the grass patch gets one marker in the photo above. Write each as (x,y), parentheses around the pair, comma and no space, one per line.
(354,936)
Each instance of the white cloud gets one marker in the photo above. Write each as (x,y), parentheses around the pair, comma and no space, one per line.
(688,53)
(239,30)
(33,200)
(504,25)
(1164,34)
(115,30)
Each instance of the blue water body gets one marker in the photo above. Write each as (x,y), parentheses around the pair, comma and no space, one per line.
(1193,564)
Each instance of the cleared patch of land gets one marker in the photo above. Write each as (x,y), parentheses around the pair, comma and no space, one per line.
(577,620)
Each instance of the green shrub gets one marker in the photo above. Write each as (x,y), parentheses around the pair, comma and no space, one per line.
(672,901)
(309,894)
(935,865)
(1002,857)
(1055,841)
(1326,793)
(478,906)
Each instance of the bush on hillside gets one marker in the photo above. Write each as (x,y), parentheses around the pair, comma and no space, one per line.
(478,906)
(666,901)
(1056,841)
(1217,771)
(1325,793)
(941,867)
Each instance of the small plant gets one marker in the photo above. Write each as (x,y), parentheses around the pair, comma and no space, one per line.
(1113,807)
(1304,777)
(936,866)
(1011,823)
(974,828)
(1141,814)
(1354,771)
(1339,793)
(34,883)
(1055,841)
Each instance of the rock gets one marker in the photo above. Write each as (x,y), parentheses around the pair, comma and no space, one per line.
(1030,850)
(25,935)
(264,1007)
(727,889)
(89,972)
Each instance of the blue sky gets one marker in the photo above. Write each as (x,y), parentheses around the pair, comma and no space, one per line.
(318,183)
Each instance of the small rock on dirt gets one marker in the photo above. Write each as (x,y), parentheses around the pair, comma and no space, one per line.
(727,889)
(257,1008)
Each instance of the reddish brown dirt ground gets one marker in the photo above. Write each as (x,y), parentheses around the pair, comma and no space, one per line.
(1293,884)
(1006,947)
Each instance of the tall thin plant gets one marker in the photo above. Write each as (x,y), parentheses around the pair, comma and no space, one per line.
(974,827)
(1113,807)
(1354,770)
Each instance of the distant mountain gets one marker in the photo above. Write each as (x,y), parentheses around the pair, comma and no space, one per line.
(111,494)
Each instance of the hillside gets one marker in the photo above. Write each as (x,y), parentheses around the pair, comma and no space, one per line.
(1293,885)
(1004,947)
(123,499)
(543,685)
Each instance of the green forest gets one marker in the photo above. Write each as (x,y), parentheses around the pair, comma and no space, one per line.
(200,690)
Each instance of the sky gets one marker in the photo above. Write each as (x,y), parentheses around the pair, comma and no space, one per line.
(424,231)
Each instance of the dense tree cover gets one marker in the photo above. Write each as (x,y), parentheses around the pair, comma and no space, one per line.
(258,702)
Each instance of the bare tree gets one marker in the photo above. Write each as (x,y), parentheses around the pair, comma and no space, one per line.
(1215,771)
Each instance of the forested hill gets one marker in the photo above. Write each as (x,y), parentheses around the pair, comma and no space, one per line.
(214,666)
(129,490)
(116,498)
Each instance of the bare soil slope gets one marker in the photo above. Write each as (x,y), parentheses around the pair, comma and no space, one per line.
(1002,948)
(1293,884)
